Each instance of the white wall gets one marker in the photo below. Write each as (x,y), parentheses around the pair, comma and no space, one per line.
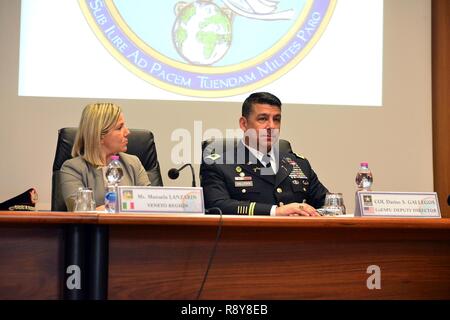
(396,139)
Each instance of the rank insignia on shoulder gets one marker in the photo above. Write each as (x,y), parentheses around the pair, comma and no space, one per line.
(213,156)
(299,155)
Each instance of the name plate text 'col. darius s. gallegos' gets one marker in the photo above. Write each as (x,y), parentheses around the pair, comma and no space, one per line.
(397,204)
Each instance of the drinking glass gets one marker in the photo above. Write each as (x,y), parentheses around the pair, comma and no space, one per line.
(334,204)
(85,200)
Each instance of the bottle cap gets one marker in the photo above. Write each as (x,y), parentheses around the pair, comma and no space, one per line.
(364,164)
(115,157)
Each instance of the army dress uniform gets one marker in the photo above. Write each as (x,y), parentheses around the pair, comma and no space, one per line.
(241,187)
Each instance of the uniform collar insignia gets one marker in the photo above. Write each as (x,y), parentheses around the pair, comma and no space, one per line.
(213,156)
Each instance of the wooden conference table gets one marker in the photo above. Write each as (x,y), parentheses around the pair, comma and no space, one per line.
(165,256)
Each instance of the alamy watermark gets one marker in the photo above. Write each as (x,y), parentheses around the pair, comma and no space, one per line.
(374,280)
(73,281)
(221,146)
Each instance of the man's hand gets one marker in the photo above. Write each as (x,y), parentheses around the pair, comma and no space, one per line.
(296,209)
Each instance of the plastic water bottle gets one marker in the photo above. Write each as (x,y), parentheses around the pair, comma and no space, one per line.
(111,199)
(364,178)
(114,171)
(114,174)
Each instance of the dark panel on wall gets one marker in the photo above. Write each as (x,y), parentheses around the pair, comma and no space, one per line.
(441,101)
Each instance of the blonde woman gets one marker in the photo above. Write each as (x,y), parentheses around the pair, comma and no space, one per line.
(102,133)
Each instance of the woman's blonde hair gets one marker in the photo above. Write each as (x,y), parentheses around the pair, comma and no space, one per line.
(96,120)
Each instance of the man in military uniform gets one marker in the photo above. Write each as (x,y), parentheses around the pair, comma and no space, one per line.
(254,177)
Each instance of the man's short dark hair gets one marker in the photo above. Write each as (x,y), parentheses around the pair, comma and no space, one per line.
(261,98)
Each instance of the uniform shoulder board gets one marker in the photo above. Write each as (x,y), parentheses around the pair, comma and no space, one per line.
(299,155)
(213,156)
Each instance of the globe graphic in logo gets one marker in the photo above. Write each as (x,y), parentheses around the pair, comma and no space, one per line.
(202,32)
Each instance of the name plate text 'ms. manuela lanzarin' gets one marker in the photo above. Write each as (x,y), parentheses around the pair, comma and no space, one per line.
(161,200)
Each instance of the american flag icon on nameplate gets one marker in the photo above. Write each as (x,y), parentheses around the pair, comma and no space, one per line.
(368,210)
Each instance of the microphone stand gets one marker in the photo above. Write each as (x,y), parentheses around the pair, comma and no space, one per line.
(194,184)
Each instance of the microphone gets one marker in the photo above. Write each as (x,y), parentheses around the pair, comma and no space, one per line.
(174,173)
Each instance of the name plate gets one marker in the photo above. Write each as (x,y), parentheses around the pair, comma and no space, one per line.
(397,204)
(161,200)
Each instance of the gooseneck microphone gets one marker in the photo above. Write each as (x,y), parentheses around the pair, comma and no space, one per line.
(174,173)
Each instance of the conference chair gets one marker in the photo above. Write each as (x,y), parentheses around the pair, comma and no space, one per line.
(140,143)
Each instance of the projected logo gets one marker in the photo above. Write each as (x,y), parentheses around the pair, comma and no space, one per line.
(208,48)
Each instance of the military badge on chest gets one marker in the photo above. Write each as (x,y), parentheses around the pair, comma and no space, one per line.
(245,181)
(299,180)
(242,180)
